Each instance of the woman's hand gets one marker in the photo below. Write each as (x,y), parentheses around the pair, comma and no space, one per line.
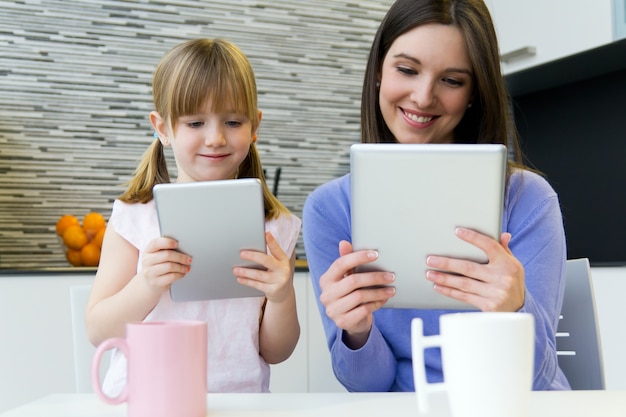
(351,298)
(276,282)
(162,264)
(497,285)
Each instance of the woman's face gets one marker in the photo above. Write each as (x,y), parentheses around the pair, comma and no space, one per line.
(426,84)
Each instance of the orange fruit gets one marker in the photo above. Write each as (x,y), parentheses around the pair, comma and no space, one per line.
(74,237)
(92,222)
(99,236)
(64,222)
(73,257)
(90,254)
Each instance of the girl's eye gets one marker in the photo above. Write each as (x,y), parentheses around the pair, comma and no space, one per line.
(194,124)
(233,123)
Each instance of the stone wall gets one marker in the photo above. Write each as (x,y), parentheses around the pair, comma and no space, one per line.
(75,96)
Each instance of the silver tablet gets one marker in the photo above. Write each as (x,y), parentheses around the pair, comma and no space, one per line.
(212,221)
(407,200)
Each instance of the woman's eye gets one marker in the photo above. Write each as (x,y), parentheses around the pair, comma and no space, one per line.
(407,71)
(453,82)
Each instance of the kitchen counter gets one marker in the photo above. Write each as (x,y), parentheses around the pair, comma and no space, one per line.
(301,266)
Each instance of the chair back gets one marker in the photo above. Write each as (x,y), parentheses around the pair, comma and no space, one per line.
(83,349)
(578,344)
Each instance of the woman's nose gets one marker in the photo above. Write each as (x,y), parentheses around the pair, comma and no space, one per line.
(424,93)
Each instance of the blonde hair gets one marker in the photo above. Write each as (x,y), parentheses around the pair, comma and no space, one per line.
(187,76)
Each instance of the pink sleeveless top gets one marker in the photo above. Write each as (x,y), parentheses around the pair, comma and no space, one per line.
(234,363)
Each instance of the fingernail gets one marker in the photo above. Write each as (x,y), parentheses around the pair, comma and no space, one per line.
(372,254)
(390,277)
(390,290)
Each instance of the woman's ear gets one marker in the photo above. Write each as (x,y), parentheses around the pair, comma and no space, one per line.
(160,127)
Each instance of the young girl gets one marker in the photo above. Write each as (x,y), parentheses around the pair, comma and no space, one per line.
(433,76)
(206,109)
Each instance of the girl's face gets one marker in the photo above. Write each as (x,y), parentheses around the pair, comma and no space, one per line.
(210,146)
(426,84)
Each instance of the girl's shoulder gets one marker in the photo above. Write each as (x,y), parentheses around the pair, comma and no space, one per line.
(132,211)
(285,222)
(285,229)
(136,222)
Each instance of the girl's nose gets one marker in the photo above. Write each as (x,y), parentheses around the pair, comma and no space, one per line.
(214,137)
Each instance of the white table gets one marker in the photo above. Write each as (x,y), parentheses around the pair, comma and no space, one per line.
(543,404)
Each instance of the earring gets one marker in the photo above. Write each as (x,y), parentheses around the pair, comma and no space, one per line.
(164,142)
(469,105)
(377,84)
(254,138)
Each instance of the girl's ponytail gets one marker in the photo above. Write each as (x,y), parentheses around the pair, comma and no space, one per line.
(152,170)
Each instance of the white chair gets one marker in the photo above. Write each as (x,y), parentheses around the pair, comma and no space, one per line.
(578,344)
(83,349)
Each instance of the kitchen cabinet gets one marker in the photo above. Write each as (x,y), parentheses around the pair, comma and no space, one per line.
(534,32)
(36,354)
(309,368)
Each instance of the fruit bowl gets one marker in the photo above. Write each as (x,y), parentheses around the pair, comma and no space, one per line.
(81,241)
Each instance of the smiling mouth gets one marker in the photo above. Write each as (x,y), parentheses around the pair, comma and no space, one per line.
(419,119)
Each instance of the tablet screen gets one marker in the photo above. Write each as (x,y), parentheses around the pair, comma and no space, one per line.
(212,222)
(407,201)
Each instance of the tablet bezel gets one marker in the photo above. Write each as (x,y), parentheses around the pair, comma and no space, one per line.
(212,222)
(404,190)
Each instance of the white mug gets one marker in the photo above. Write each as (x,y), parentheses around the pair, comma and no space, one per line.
(487,363)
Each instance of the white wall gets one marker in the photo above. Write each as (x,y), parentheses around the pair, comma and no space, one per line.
(36,353)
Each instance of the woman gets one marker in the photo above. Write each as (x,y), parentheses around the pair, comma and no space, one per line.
(433,76)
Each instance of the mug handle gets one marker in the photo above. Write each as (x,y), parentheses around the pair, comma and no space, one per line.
(116,342)
(419,343)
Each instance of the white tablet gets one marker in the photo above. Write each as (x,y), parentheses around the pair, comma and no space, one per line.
(407,200)
(212,221)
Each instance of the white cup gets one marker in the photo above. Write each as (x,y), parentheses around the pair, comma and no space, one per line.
(487,363)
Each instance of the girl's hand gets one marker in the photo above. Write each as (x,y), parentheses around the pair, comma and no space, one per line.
(162,264)
(495,286)
(351,298)
(276,282)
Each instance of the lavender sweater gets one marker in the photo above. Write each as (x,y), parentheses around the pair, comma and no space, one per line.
(533,217)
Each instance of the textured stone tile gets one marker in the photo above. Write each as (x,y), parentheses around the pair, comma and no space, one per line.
(75,96)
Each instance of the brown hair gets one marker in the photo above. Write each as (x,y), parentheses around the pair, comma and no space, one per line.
(489,120)
(187,76)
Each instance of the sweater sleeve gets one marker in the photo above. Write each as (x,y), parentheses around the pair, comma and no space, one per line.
(326,221)
(538,241)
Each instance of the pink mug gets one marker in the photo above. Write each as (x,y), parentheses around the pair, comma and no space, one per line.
(166,374)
